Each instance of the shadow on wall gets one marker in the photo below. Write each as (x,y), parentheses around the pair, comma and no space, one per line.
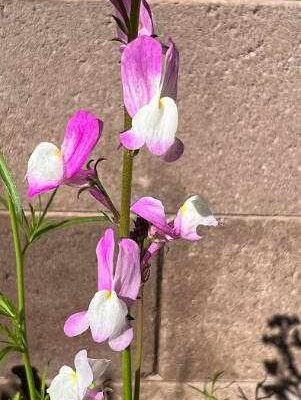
(283,372)
(283,380)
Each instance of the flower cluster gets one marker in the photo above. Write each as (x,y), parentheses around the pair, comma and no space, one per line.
(149,72)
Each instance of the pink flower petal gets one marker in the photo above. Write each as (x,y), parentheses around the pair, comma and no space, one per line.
(170,78)
(76,324)
(127,277)
(81,178)
(98,337)
(82,133)
(174,152)
(105,254)
(122,341)
(35,188)
(141,68)
(146,25)
(152,210)
(151,252)
(93,394)
(132,140)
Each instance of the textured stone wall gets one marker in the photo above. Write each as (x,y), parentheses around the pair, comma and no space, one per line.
(208,305)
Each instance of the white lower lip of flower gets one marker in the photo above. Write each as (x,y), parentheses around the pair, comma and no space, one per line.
(159,120)
(64,385)
(107,314)
(46,163)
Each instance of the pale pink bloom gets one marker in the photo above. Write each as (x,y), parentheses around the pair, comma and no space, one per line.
(149,82)
(72,384)
(193,213)
(49,167)
(107,313)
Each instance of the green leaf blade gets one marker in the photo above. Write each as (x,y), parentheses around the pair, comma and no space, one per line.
(49,225)
(10,187)
(7,307)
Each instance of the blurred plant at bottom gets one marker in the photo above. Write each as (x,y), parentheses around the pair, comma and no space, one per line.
(212,387)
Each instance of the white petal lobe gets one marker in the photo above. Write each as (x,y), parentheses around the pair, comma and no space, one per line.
(45,165)
(84,372)
(107,314)
(158,123)
(64,385)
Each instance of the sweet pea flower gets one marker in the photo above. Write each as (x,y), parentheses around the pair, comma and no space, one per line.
(49,167)
(117,287)
(149,89)
(193,213)
(74,385)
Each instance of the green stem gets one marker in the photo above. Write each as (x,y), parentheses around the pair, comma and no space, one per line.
(124,230)
(49,202)
(126,191)
(139,344)
(21,297)
(127,172)
(127,374)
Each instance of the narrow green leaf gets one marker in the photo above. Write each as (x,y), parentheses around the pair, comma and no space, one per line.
(7,307)
(43,384)
(10,187)
(49,225)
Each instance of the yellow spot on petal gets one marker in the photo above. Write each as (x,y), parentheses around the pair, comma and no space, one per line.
(74,377)
(58,153)
(161,103)
(107,295)
(184,208)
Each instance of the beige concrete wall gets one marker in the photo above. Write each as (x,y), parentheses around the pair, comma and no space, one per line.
(239,120)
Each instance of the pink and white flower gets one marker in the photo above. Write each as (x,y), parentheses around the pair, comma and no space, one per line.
(72,384)
(49,167)
(149,89)
(117,287)
(193,213)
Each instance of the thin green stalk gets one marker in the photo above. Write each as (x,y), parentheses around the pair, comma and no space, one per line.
(127,173)
(124,230)
(49,202)
(139,346)
(21,296)
(126,191)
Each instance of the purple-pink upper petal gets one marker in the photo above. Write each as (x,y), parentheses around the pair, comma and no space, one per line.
(146,25)
(152,210)
(82,133)
(105,255)
(127,277)
(141,69)
(170,78)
